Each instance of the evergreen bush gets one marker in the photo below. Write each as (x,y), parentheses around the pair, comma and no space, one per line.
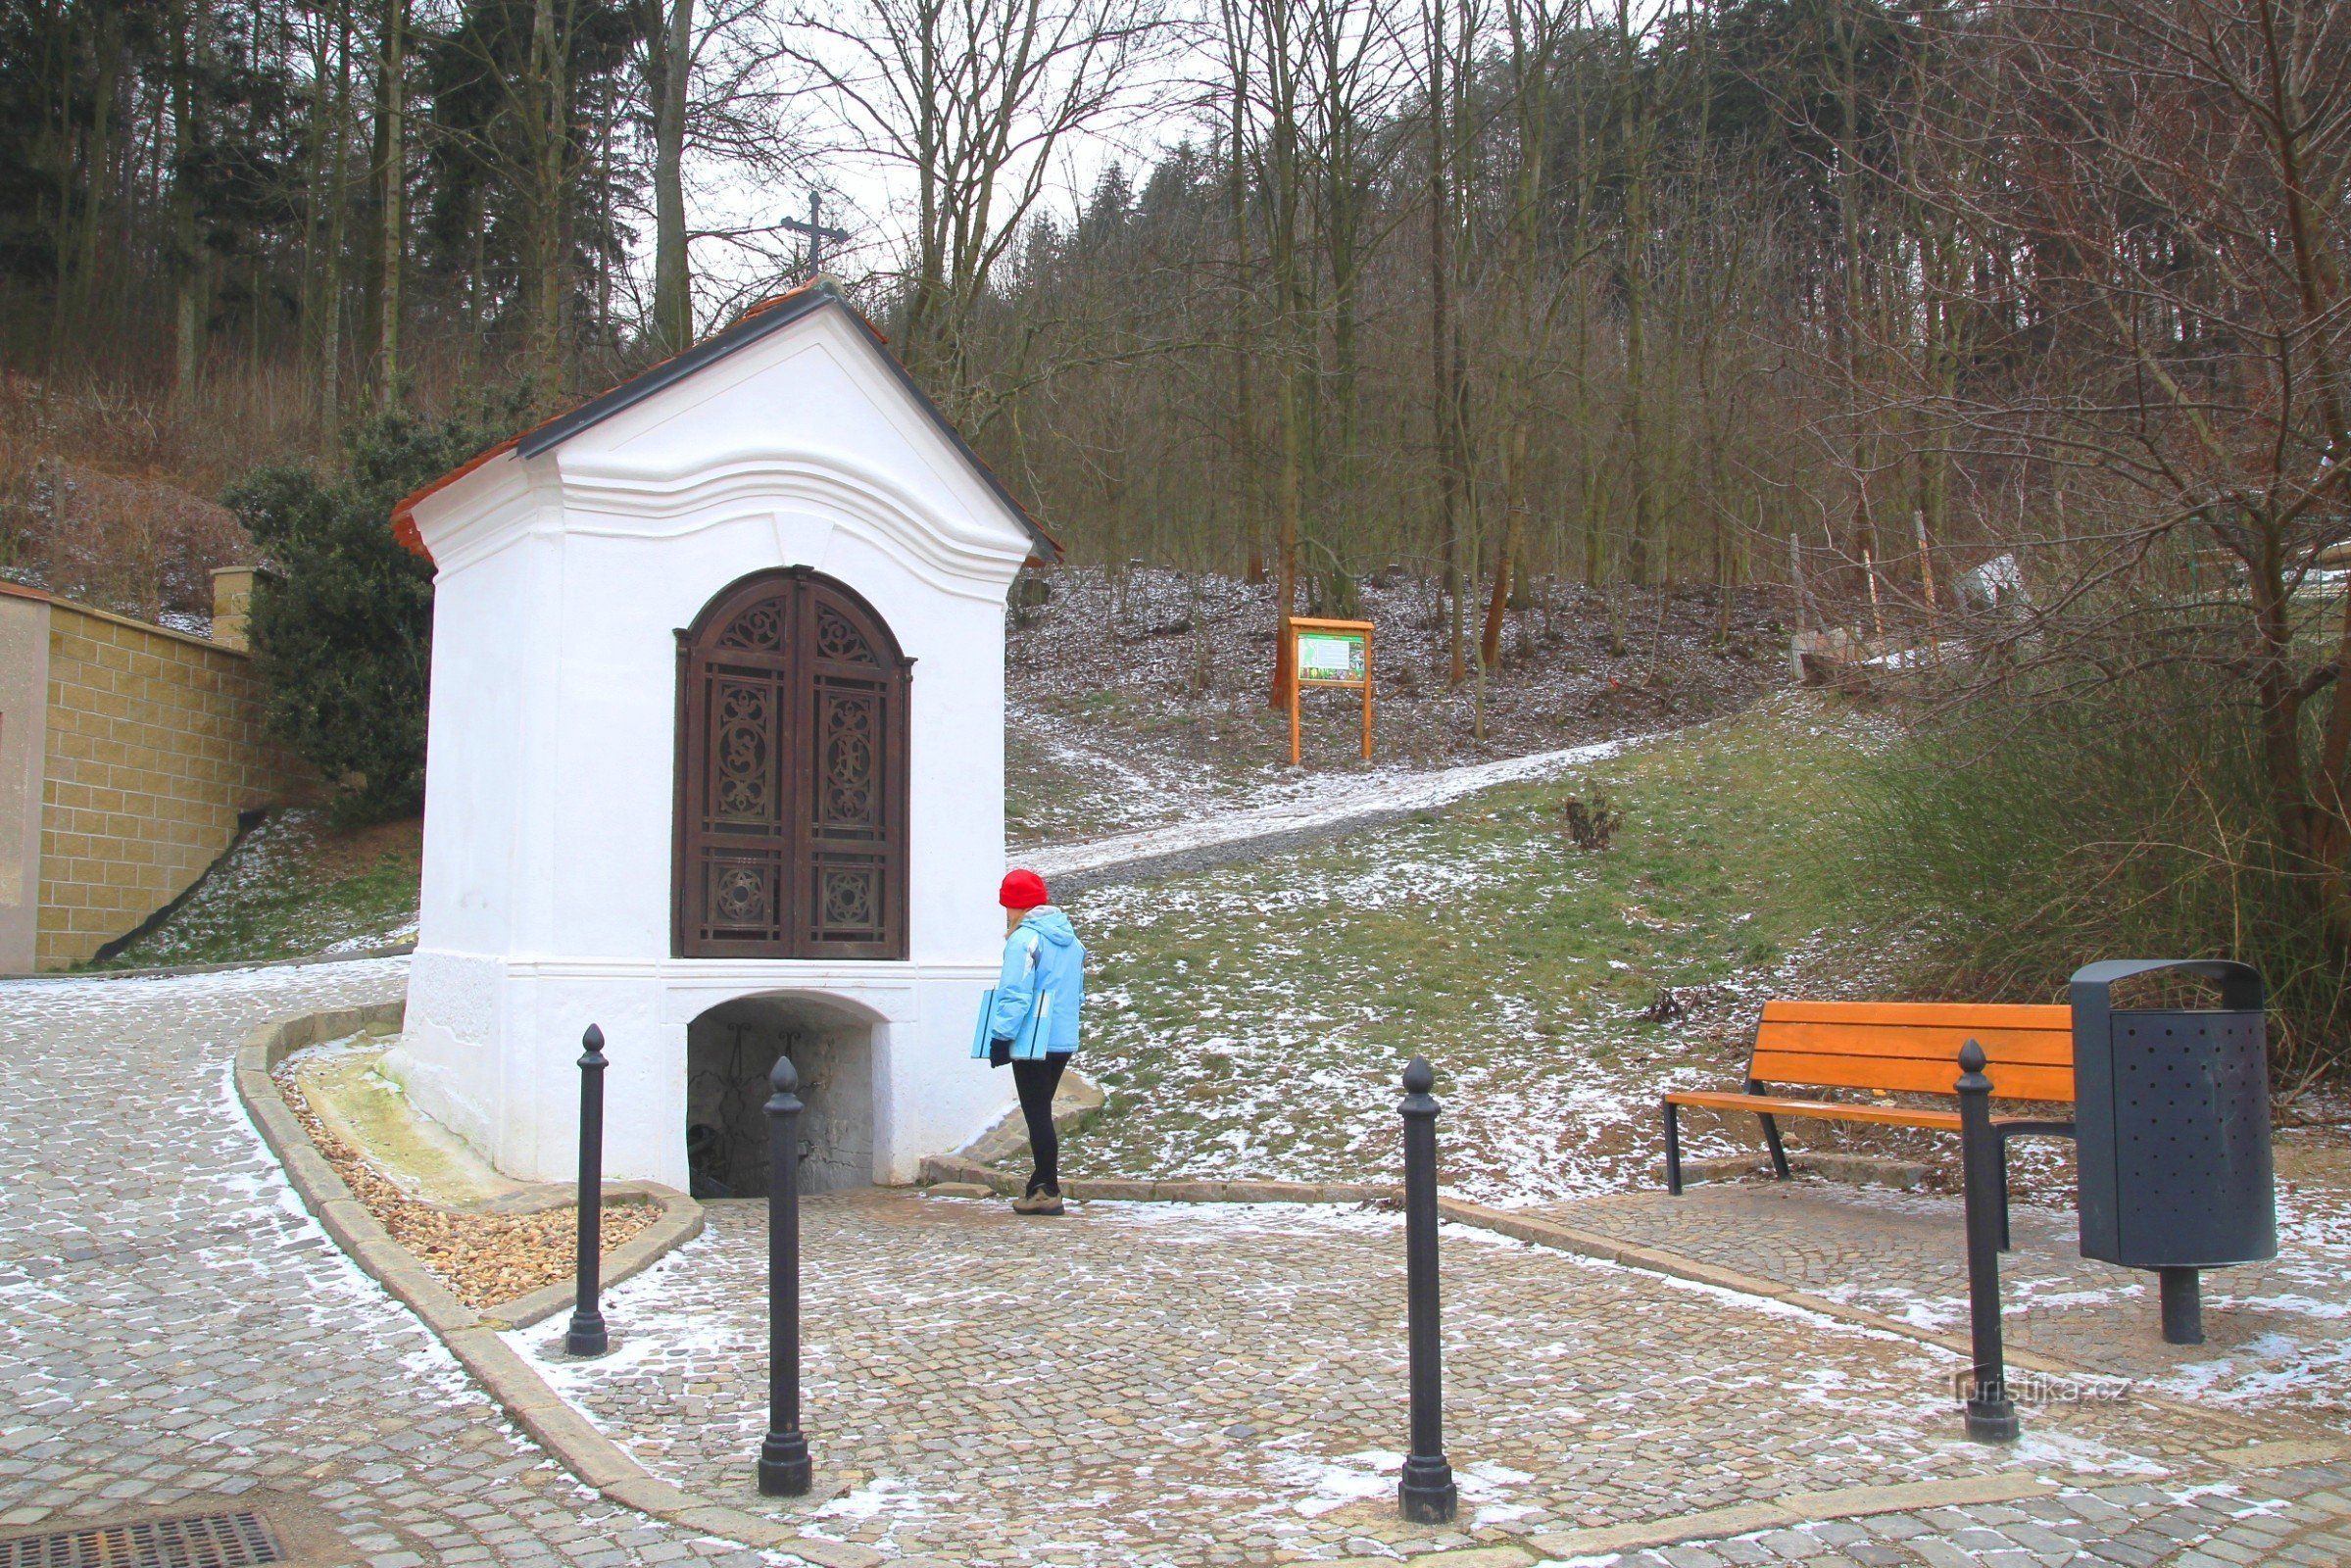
(342,620)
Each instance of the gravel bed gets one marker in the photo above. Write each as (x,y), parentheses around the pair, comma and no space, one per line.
(484,1259)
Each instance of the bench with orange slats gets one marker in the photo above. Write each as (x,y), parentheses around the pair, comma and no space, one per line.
(1887,1048)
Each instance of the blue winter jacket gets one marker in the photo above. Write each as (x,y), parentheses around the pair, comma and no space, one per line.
(1042,959)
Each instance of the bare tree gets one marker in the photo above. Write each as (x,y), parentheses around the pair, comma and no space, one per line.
(973,101)
(1536,31)
(392,93)
(2170,182)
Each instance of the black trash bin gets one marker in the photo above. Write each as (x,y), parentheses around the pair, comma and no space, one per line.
(2172,1122)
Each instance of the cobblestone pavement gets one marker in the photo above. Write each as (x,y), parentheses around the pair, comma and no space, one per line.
(1137,1383)
(175,1332)
(2298,1517)
(2278,1335)
(1192,1385)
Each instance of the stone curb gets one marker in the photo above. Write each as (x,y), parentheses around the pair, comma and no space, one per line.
(1009,1135)
(1853,1170)
(680,1222)
(567,1436)
(959,1170)
(1789,1512)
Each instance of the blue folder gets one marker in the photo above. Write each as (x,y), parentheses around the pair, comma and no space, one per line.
(1027,1046)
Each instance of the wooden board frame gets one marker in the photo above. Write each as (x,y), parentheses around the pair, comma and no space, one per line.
(1292,626)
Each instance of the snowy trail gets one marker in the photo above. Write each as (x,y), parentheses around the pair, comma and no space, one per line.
(1313,808)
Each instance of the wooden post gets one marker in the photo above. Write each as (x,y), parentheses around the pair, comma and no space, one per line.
(1926,579)
(1807,620)
(1367,668)
(1285,672)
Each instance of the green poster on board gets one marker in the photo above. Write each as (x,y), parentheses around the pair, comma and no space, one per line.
(1331,655)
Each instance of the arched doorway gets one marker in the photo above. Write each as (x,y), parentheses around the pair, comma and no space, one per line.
(791,787)
(730,1049)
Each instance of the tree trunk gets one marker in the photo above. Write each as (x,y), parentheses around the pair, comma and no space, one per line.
(1638,542)
(1245,351)
(103,131)
(1532,38)
(187,305)
(331,287)
(548,99)
(394,65)
(669,70)
(1445,342)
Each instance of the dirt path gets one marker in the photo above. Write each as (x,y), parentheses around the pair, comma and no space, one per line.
(1300,813)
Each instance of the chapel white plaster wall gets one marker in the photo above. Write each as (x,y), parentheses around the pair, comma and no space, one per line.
(548,810)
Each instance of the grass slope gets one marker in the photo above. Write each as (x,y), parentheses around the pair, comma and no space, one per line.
(1252,1020)
(295,886)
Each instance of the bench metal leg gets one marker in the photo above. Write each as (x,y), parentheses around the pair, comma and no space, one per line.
(1771,1136)
(2021,1129)
(1673,1148)
(2001,1144)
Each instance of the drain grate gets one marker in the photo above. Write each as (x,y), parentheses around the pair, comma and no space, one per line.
(208,1541)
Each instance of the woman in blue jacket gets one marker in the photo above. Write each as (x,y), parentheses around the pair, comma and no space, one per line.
(1037,1000)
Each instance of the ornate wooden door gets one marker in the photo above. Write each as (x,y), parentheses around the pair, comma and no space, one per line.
(791,838)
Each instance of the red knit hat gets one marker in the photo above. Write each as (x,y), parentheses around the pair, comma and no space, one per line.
(1022,889)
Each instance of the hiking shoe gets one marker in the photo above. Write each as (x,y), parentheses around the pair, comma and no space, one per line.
(1047,1201)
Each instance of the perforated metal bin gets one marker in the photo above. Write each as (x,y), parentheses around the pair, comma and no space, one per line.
(2173,1122)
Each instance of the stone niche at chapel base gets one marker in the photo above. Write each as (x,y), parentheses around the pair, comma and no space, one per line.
(715,764)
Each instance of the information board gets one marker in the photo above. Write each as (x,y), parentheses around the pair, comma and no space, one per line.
(1332,658)
(1327,652)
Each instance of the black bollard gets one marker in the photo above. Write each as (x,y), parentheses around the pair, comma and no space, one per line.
(1991,1416)
(783,1453)
(587,1336)
(1426,1493)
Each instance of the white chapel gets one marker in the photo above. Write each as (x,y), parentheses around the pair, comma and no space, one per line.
(716,765)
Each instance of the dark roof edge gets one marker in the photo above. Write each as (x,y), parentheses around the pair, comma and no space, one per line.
(667,375)
(1045,543)
(741,335)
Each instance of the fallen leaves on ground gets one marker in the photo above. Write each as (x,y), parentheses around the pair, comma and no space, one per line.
(484,1259)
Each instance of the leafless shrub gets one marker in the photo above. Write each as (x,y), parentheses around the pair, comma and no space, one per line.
(1590,824)
(138,547)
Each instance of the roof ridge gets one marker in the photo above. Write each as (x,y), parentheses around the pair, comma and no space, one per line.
(748,328)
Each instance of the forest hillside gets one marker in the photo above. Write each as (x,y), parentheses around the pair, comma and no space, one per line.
(2016,332)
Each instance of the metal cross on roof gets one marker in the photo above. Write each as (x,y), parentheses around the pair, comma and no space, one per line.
(817,234)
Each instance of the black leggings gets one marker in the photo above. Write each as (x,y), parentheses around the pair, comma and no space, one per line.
(1037,1081)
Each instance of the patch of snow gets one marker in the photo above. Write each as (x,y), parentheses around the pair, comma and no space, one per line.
(70,992)
(2075,1455)
(367,941)
(1320,801)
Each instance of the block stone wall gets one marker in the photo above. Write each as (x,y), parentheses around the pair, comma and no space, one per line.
(154,748)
